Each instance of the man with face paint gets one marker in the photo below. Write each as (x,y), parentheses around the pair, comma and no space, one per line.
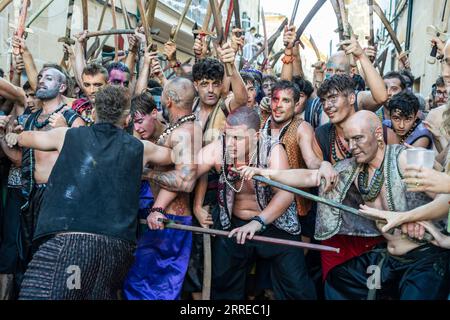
(118,74)
(247,208)
(94,77)
(338,98)
(37,165)
(339,64)
(406,269)
(296,135)
(172,187)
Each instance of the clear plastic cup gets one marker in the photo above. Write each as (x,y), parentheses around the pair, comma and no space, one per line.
(420,157)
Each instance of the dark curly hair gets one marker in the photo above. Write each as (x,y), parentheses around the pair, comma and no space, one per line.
(111,103)
(287,85)
(405,102)
(208,68)
(342,83)
(303,85)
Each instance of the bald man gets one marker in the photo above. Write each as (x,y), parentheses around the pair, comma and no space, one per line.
(402,268)
(37,165)
(149,277)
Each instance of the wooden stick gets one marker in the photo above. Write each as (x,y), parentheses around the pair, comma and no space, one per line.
(143,20)
(116,37)
(126,19)
(20,30)
(85,8)
(4,4)
(172,225)
(38,12)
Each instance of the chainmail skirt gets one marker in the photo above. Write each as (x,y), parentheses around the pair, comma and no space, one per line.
(77,266)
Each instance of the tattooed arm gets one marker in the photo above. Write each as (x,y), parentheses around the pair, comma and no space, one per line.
(183,178)
(156,154)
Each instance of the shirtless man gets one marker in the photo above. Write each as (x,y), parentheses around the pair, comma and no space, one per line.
(407,269)
(37,165)
(171,186)
(338,98)
(247,210)
(215,100)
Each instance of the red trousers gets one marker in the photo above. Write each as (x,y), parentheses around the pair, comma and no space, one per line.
(351,246)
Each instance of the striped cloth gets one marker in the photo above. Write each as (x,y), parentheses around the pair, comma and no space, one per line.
(77,266)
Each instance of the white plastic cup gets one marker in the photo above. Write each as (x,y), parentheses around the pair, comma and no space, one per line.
(420,157)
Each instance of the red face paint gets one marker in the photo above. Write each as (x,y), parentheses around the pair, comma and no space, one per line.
(276,96)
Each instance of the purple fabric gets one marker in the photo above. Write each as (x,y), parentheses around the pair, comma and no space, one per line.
(161,262)
(146,199)
(419,132)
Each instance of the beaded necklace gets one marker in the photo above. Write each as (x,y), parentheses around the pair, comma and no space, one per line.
(336,140)
(226,170)
(174,126)
(40,125)
(370,192)
(403,139)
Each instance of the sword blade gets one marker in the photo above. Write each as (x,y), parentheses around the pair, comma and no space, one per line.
(20,30)
(388,27)
(116,37)
(316,50)
(174,32)
(38,12)
(308,18)
(371,33)
(4,4)
(294,12)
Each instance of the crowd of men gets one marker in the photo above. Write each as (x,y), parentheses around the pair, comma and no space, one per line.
(99,160)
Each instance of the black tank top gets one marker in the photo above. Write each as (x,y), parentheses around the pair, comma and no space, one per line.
(94,185)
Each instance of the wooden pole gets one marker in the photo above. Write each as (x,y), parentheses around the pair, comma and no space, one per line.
(172,225)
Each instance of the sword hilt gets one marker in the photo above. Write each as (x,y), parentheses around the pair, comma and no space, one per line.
(432,58)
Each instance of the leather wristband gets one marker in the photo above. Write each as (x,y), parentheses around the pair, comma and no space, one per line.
(157,209)
(261,221)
